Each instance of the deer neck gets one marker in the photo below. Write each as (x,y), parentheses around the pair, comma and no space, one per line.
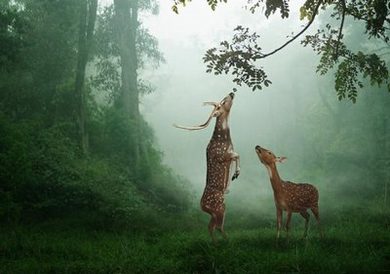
(274,177)
(221,129)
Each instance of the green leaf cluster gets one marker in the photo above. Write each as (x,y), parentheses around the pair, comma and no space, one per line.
(239,57)
(350,68)
(212,3)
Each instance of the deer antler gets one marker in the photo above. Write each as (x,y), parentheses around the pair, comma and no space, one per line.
(210,104)
(202,126)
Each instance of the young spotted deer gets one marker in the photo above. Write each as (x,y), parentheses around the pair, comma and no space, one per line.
(220,156)
(288,196)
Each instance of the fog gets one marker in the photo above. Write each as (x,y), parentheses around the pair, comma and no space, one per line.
(88,186)
(285,117)
(266,117)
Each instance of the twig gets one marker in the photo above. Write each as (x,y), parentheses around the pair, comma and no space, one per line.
(296,36)
(336,54)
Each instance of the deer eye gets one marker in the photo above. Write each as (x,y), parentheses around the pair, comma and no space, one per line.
(269,152)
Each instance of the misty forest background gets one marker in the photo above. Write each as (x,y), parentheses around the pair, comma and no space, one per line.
(94,178)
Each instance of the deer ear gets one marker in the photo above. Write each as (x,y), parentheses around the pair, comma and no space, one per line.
(280,159)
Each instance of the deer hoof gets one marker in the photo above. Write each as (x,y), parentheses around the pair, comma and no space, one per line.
(235,176)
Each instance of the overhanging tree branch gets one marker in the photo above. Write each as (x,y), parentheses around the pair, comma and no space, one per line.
(240,55)
(340,35)
(298,34)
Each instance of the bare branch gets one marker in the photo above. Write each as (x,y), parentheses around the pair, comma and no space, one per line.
(336,54)
(298,34)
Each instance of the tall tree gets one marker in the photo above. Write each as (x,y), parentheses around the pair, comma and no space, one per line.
(88,9)
(124,46)
(126,22)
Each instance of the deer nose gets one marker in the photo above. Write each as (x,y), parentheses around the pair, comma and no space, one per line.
(231,94)
(258,147)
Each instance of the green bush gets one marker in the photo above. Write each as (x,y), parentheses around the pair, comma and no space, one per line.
(44,176)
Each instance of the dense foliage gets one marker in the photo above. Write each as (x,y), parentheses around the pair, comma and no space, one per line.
(46,172)
(242,54)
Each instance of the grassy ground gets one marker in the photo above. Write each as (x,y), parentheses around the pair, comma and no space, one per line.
(349,246)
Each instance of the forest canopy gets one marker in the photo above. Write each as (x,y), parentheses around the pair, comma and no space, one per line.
(352,68)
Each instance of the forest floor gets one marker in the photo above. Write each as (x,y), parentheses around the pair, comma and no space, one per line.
(349,246)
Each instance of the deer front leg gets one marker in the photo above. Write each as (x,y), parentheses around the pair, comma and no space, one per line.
(279,214)
(288,222)
(236,158)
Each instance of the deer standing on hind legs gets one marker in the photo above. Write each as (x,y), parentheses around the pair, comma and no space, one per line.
(220,155)
(288,196)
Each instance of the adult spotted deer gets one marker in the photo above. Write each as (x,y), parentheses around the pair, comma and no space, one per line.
(220,155)
(288,196)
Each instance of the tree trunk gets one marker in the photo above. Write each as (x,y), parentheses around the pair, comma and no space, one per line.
(126,13)
(386,162)
(87,23)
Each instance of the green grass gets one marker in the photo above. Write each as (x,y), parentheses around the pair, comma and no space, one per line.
(349,246)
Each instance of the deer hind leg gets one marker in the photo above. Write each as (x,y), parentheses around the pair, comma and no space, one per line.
(213,220)
(317,216)
(212,225)
(220,222)
(307,217)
